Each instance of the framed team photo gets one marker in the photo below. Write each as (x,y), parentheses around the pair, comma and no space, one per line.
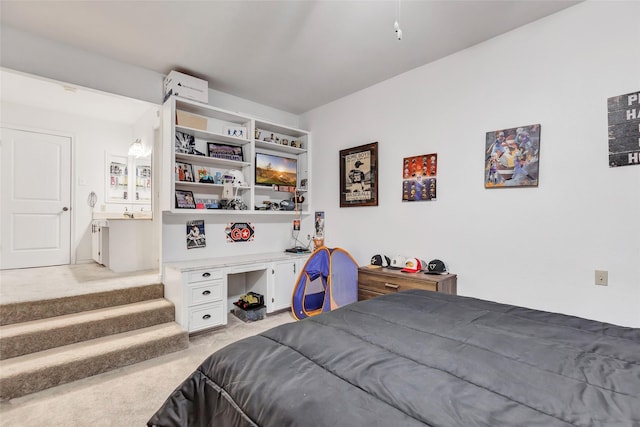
(359,176)
(185,200)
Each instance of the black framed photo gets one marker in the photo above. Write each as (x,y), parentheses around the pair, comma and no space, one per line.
(359,176)
(224,151)
(184,172)
(185,200)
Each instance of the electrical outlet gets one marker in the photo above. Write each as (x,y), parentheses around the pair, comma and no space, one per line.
(602,277)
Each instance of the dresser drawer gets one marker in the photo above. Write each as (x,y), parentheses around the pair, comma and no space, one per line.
(206,316)
(203,275)
(364,294)
(387,284)
(206,292)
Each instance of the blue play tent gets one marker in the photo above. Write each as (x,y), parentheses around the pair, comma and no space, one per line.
(328,280)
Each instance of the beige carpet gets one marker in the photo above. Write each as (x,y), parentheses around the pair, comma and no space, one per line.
(126,396)
(33,284)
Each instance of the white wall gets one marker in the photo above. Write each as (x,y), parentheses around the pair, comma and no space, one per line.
(536,247)
(273,233)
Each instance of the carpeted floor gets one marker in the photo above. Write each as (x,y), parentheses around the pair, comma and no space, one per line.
(127,396)
(32,284)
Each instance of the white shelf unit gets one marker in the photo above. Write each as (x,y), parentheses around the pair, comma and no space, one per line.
(212,123)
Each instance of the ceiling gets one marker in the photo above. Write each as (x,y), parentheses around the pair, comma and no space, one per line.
(290,55)
(47,94)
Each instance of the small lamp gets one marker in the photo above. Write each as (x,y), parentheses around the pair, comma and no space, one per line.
(136,149)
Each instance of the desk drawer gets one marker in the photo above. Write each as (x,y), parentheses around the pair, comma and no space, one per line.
(206,316)
(386,285)
(206,292)
(202,275)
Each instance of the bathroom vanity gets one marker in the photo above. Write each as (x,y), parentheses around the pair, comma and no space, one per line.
(122,242)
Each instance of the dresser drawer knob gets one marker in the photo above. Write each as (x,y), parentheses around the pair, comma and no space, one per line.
(207,274)
(206,292)
(206,316)
(390,285)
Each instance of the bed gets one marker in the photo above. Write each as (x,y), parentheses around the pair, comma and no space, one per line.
(419,358)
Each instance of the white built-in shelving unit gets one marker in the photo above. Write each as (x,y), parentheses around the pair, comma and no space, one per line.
(189,128)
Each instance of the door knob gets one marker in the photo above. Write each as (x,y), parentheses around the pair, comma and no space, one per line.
(65,209)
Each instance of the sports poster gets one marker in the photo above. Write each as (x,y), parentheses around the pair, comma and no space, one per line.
(419,178)
(195,234)
(359,176)
(358,182)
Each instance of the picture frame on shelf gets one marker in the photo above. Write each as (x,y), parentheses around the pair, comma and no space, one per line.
(225,151)
(359,176)
(184,172)
(185,200)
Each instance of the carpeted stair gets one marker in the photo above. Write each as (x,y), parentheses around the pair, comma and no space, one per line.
(52,342)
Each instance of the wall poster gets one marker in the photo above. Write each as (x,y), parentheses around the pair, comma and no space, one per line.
(359,176)
(195,234)
(512,157)
(624,129)
(419,177)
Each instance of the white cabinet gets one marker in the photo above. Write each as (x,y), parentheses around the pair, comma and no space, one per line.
(100,242)
(199,296)
(285,275)
(128,179)
(225,161)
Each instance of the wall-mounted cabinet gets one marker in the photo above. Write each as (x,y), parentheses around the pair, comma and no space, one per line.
(223,162)
(128,179)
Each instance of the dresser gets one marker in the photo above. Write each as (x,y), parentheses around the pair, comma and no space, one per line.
(373,282)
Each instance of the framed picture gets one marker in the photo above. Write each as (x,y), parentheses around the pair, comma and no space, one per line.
(512,156)
(419,177)
(185,200)
(359,176)
(195,234)
(224,151)
(184,172)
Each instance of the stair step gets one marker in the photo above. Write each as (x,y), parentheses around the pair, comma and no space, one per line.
(37,335)
(27,311)
(38,371)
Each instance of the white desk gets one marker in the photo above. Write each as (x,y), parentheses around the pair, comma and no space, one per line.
(203,291)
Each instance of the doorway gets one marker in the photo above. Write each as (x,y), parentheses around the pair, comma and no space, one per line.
(36,199)
(95,124)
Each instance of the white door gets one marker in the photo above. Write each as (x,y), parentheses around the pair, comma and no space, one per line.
(36,199)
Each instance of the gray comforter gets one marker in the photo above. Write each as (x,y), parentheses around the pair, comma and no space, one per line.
(419,358)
